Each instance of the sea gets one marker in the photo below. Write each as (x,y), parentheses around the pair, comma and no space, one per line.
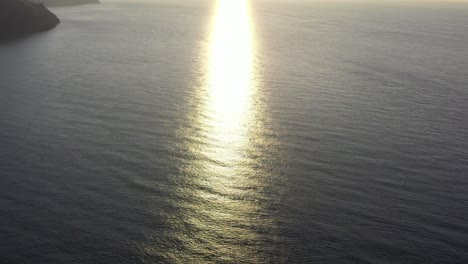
(249,131)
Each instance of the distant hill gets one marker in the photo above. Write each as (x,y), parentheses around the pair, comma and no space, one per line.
(21,16)
(66,2)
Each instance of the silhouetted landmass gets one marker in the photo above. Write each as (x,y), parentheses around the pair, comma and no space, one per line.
(21,16)
(66,2)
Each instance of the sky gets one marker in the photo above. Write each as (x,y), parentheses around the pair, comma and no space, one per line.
(309,1)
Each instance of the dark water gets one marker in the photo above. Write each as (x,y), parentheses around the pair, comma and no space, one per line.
(319,133)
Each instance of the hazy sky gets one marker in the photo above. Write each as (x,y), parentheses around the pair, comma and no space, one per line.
(310,1)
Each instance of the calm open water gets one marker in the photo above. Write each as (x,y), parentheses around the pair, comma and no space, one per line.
(204,133)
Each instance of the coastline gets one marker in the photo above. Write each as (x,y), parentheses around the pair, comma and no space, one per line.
(19,17)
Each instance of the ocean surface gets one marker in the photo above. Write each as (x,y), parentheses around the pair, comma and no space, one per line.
(229,132)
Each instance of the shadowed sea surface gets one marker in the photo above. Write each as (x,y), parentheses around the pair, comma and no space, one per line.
(284,133)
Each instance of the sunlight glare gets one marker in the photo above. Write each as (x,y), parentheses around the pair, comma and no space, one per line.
(231,59)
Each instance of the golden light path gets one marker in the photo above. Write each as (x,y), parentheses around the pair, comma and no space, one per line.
(225,154)
(222,184)
(231,60)
(227,207)
(230,83)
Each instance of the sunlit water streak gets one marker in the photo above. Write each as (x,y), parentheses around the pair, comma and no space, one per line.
(230,84)
(222,184)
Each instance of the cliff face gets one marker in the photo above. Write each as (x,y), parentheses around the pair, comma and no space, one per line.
(66,2)
(21,16)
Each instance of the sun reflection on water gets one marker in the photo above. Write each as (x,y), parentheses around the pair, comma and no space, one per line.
(231,61)
(224,173)
(230,83)
(224,209)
